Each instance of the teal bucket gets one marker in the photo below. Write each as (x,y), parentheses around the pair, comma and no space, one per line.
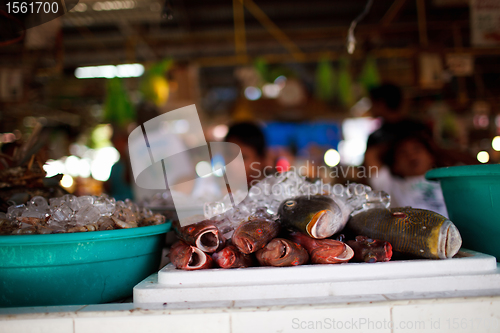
(472,197)
(77,268)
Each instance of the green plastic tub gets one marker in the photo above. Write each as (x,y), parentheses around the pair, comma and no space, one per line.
(472,196)
(78,268)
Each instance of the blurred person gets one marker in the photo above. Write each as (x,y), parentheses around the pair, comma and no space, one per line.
(119,184)
(250,138)
(387,104)
(402,174)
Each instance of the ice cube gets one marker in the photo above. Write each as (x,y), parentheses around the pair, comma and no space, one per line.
(30,212)
(212,209)
(105,206)
(38,202)
(62,213)
(84,201)
(55,202)
(87,214)
(273,207)
(15,211)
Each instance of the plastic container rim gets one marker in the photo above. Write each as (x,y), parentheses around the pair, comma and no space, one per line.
(51,239)
(464,171)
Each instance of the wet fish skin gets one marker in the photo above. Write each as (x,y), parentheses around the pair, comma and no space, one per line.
(418,232)
(370,250)
(282,252)
(231,257)
(323,251)
(187,257)
(253,235)
(204,235)
(319,216)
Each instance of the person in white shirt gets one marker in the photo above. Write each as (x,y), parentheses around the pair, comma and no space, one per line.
(403,175)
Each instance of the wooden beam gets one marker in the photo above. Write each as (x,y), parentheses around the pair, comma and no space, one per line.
(239,30)
(392,12)
(273,29)
(422,24)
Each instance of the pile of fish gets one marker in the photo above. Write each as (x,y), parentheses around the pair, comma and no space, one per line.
(306,229)
(260,240)
(70,213)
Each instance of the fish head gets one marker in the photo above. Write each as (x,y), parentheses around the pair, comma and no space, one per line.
(450,241)
(282,252)
(185,256)
(442,236)
(331,251)
(371,250)
(319,215)
(254,235)
(209,239)
(226,257)
(204,235)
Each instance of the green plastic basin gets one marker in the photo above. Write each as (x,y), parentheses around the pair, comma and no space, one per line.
(78,268)
(472,196)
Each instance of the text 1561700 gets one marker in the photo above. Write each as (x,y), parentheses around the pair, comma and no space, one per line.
(32,7)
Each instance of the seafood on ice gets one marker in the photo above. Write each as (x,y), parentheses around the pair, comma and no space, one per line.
(70,213)
(267,196)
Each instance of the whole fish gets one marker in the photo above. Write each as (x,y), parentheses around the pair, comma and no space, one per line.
(409,230)
(253,235)
(204,235)
(187,257)
(319,216)
(370,250)
(323,251)
(231,257)
(282,252)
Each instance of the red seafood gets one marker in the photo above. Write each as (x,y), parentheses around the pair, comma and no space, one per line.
(231,257)
(253,235)
(204,235)
(371,250)
(323,251)
(187,257)
(282,252)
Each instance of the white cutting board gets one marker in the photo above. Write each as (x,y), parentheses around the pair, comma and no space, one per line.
(469,270)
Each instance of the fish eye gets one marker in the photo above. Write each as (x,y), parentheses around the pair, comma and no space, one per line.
(290,203)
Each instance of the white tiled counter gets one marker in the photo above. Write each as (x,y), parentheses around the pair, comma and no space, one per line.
(457,295)
(413,312)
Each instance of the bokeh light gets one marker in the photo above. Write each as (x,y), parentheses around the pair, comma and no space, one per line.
(332,157)
(483,156)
